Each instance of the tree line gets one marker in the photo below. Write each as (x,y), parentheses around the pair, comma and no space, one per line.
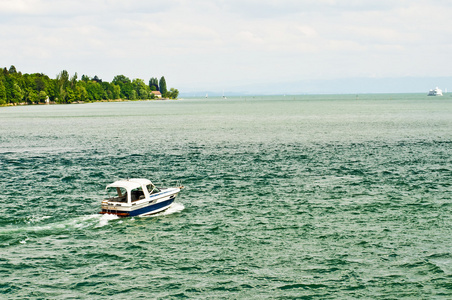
(35,88)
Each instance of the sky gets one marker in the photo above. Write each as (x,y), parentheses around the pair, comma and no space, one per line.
(234,45)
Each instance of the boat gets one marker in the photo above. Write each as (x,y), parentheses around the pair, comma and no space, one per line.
(435,92)
(137,197)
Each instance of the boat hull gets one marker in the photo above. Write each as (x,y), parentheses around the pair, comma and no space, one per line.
(147,210)
(154,204)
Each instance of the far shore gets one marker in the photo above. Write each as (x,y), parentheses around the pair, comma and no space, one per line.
(83,102)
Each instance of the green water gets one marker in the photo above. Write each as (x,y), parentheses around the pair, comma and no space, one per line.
(306,197)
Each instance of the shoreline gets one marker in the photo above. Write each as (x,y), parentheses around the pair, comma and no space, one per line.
(82,102)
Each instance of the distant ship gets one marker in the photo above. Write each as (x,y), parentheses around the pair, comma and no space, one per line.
(435,92)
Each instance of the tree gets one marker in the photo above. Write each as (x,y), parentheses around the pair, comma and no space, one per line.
(17,93)
(40,82)
(133,95)
(42,96)
(63,78)
(16,87)
(173,93)
(121,79)
(85,78)
(2,92)
(162,85)
(125,85)
(116,93)
(62,82)
(12,70)
(71,95)
(154,84)
(30,95)
(74,80)
(141,89)
(81,92)
(97,79)
(95,91)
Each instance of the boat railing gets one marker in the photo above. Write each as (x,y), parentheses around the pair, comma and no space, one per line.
(163,184)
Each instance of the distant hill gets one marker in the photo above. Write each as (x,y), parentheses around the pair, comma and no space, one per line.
(331,86)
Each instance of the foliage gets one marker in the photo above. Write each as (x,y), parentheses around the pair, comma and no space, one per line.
(162,85)
(173,93)
(2,92)
(18,88)
(154,84)
(12,70)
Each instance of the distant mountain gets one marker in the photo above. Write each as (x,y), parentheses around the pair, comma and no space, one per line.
(332,86)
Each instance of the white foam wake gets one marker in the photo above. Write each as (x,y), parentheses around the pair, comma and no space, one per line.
(103,219)
(97,220)
(174,208)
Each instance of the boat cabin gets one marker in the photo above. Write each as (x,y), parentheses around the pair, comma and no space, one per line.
(130,190)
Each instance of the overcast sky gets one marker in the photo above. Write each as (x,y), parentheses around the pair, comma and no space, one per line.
(219,44)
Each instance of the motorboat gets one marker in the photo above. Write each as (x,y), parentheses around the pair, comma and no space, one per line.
(137,197)
(435,92)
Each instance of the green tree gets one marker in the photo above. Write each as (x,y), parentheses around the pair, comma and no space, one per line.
(116,92)
(16,94)
(125,84)
(12,70)
(162,85)
(62,82)
(42,97)
(85,78)
(52,89)
(81,93)
(133,95)
(154,84)
(29,95)
(141,89)
(173,93)
(16,87)
(71,95)
(63,78)
(95,91)
(40,82)
(2,92)
(74,81)
(120,79)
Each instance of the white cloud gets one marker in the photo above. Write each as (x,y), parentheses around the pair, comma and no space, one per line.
(219,41)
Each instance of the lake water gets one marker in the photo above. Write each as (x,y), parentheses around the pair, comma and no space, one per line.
(296,197)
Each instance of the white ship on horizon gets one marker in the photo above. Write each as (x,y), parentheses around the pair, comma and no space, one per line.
(435,92)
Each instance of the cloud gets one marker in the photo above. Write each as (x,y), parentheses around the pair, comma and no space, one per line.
(201,42)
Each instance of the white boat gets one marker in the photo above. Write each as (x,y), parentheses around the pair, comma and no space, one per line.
(137,197)
(435,92)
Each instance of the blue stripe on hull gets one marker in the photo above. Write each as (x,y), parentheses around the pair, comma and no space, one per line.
(151,208)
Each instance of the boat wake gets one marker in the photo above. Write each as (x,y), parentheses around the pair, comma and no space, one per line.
(103,219)
(94,220)
(38,227)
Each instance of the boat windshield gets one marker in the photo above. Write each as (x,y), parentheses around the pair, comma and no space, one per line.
(117,194)
(152,189)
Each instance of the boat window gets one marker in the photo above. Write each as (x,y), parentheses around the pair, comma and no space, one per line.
(117,194)
(152,189)
(137,194)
